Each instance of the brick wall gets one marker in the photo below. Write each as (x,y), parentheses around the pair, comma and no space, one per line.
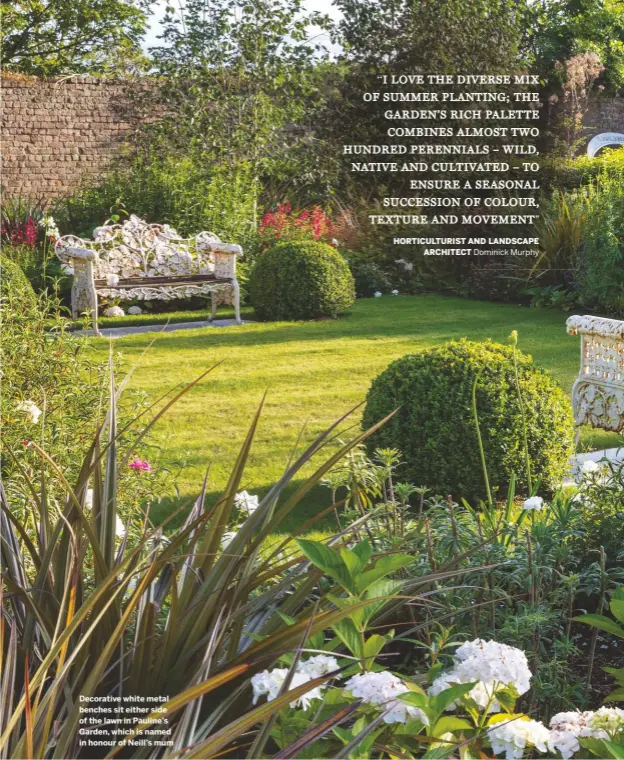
(54,132)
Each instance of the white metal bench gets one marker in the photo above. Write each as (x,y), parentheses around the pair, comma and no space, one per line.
(598,392)
(137,260)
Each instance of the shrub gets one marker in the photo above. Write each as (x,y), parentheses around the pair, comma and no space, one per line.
(435,429)
(302,280)
(14,285)
(599,273)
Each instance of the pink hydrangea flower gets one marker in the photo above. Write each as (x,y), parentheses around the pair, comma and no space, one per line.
(140,465)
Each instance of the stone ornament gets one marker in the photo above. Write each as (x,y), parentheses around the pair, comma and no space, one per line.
(598,392)
(119,254)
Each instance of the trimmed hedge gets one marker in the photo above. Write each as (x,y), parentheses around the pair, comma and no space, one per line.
(434,427)
(301,280)
(14,285)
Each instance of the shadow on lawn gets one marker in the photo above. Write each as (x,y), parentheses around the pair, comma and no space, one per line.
(374,319)
(316,501)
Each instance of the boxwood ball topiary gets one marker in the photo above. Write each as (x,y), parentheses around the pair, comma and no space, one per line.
(301,280)
(434,427)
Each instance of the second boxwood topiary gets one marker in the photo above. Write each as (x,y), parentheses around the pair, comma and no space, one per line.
(301,280)
(434,427)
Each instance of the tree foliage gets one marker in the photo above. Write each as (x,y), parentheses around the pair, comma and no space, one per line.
(53,37)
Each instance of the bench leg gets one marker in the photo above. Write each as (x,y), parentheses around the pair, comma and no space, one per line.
(236,299)
(213,306)
(83,295)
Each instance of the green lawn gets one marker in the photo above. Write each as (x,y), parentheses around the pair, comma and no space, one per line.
(313,372)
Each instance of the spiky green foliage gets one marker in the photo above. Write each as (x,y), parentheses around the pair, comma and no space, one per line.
(86,613)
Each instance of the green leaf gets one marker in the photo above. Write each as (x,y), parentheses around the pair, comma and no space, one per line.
(604,749)
(374,645)
(507,698)
(615,696)
(328,561)
(414,699)
(384,566)
(617,608)
(350,636)
(602,622)
(441,701)
(448,724)
(363,551)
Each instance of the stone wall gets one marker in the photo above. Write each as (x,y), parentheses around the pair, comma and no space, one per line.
(606,115)
(54,132)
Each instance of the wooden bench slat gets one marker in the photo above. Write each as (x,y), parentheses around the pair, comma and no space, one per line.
(125,283)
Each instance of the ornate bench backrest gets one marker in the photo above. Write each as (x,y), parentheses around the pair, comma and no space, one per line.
(598,393)
(138,249)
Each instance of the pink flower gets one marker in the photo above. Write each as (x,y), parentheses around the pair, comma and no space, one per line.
(140,465)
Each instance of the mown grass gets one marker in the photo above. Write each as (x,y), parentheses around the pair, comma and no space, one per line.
(313,373)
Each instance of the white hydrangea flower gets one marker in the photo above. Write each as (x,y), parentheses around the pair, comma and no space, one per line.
(135,310)
(31,409)
(383,689)
(112,280)
(318,666)
(269,684)
(535,502)
(566,727)
(607,719)
(493,665)
(114,311)
(395,292)
(246,502)
(378,294)
(512,737)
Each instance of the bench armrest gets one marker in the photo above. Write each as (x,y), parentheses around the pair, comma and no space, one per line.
(218,247)
(81,253)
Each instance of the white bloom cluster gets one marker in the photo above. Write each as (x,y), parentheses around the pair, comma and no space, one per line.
(112,280)
(589,468)
(31,409)
(269,683)
(378,294)
(609,719)
(135,310)
(246,502)
(383,689)
(49,225)
(568,727)
(512,737)
(395,292)
(535,502)
(114,311)
(493,665)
